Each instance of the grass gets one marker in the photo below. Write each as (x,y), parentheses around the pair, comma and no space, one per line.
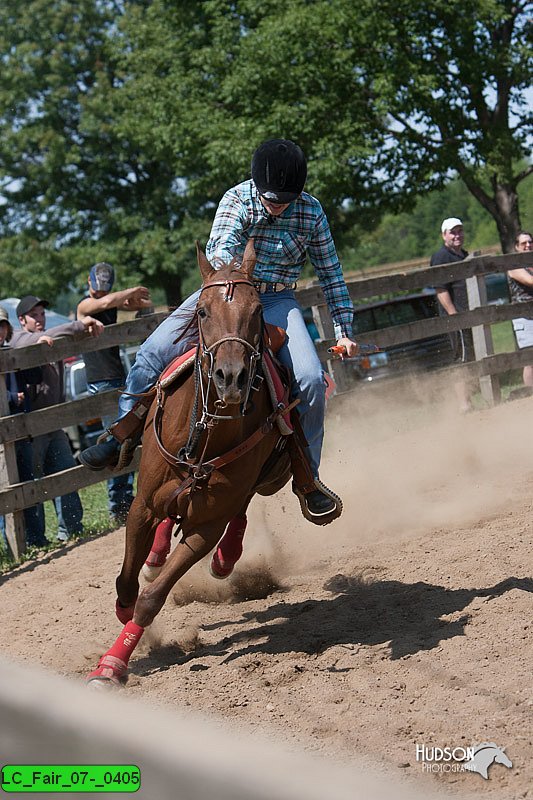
(96,520)
(504,342)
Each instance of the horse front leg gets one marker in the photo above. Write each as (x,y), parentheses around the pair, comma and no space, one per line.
(140,531)
(113,666)
(193,546)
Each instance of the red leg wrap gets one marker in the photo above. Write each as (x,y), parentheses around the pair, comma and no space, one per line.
(161,546)
(114,664)
(229,548)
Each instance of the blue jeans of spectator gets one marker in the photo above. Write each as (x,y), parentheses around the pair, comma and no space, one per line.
(119,489)
(51,454)
(34,516)
(298,353)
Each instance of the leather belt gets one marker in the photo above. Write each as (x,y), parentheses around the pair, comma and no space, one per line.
(263,286)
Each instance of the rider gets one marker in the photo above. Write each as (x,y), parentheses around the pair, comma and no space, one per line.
(287,224)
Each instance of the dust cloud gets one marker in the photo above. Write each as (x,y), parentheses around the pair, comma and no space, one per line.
(403,459)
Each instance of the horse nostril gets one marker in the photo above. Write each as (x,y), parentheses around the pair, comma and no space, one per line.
(219,375)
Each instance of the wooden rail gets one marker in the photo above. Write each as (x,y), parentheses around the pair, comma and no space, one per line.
(15,496)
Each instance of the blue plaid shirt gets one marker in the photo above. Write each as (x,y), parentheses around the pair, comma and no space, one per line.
(282,245)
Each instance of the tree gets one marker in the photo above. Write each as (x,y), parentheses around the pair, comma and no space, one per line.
(389,99)
(122,122)
(454,84)
(75,189)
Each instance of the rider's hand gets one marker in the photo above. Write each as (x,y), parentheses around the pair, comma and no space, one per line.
(137,299)
(92,326)
(352,348)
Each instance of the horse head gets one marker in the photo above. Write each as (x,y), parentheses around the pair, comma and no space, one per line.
(230,322)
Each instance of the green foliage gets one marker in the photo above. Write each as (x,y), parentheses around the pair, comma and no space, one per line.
(121,125)
(416,234)
(96,521)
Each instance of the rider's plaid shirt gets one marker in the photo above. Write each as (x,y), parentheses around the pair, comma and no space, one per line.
(282,245)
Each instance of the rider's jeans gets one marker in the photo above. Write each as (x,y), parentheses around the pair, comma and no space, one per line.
(298,353)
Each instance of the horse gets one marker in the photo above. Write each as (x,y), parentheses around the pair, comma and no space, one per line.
(202,473)
(485,754)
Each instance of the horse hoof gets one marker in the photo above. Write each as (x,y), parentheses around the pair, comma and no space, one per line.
(102,684)
(219,571)
(109,674)
(124,613)
(150,573)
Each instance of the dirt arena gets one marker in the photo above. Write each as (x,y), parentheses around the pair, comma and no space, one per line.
(407,622)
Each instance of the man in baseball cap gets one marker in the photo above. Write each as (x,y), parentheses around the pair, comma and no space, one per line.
(452,299)
(51,451)
(102,277)
(450,223)
(104,369)
(28,302)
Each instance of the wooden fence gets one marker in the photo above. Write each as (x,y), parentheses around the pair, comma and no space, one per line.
(15,496)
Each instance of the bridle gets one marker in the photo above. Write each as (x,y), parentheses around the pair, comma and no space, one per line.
(208,353)
(206,420)
(198,469)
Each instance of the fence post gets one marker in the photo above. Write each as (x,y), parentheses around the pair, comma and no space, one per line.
(324,324)
(482,336)
(14,523)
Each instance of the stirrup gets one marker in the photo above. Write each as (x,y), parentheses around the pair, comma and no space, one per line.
(328,516)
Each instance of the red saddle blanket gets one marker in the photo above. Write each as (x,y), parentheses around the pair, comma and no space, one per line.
(278,392)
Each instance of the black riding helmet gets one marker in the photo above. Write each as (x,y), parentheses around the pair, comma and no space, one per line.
(279,170)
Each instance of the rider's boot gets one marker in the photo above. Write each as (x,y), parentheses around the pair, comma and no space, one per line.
(318,503)
(115,449)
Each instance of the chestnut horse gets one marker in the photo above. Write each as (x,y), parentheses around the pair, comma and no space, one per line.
(237,442)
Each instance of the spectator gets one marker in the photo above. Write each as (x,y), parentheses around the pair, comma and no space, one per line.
(521,290)
(453,299)
(104,368)
(51,451)
(18,398)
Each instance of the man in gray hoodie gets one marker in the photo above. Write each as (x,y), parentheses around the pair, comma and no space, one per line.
(51,451)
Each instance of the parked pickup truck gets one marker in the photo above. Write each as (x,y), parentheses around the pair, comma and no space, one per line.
(420,355)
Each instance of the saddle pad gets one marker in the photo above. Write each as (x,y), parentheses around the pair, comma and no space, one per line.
(177,367)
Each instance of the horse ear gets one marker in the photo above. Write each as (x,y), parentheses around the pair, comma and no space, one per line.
(203,264)
(248,259)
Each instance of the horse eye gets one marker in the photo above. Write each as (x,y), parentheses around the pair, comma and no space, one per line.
(202,313)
